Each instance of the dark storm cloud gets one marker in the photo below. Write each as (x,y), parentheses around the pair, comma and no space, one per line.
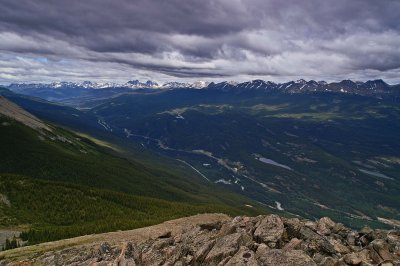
(98,17)
(208,38)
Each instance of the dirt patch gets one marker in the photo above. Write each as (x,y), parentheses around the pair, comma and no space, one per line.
(15,112)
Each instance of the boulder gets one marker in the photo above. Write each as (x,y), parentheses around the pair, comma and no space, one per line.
(223,261)
(366,230)
(244,256)
(269,230)
(351,238)
(226,246)
(363,241)
(313,242)
(352,259)
(262,249)
(211,226)
(292,227)
(328,261)
(152,257)
(311,225)
(381,248)
(386,263)
(240,224)
(318,257)
(340,229)
(289,258)
(202,252)
(377,234)
(339,246)
(325,225)
(294,243)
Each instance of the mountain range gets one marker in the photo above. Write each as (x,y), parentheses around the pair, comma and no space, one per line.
(76,93)
(132,84)
(377,88)
(345,86)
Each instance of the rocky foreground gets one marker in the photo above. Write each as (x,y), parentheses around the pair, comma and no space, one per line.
(261,240)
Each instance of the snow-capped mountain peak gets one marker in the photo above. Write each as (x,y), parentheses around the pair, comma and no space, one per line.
(371,87)
(199,84)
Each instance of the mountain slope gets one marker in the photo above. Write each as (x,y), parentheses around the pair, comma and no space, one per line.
(60,184)
(312,154)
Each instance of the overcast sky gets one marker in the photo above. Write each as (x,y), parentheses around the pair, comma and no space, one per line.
(188,40)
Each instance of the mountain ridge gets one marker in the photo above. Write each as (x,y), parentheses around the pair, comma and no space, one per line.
(200,84)
(67,91)
(217,239)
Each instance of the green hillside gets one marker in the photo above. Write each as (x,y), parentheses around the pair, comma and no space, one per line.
(58,184)
(58,210)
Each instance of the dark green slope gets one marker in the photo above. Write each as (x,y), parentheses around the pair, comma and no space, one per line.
(60,184)
(65,157)
(50,210)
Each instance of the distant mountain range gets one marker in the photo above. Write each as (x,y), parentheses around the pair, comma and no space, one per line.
(376,88)
(132,84)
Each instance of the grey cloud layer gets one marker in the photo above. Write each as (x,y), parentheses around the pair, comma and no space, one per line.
(208,38)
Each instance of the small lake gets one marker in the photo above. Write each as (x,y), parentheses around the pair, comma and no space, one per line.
(373,173)
(269,161)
